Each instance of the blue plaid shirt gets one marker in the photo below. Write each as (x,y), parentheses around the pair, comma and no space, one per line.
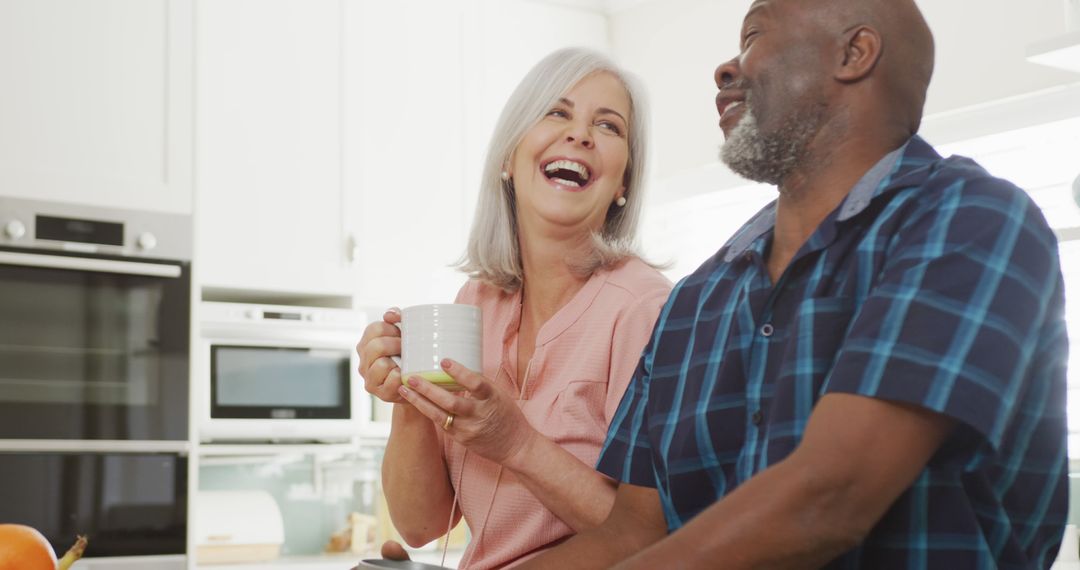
(933,284)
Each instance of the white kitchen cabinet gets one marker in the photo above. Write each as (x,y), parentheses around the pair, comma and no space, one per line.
(339,142)
(96,103)
(404,148)
(268,147)
(425,82)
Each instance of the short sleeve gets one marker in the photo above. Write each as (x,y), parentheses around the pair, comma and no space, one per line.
(627,453)
(631,333)
(956,316)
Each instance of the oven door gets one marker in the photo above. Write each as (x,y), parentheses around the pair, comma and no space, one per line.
(128,504)
(93,347)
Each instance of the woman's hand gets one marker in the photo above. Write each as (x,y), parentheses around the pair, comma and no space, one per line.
(488,422)
(380,341)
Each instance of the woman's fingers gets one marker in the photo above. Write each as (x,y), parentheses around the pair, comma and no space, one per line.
(380,350)
(474,382)
(392,316)
(422,404)
(388,391)
(443,401)
(380,339)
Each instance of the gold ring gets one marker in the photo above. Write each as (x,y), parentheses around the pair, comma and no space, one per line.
(449,421)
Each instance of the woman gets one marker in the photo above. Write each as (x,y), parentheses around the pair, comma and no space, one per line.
(567,308)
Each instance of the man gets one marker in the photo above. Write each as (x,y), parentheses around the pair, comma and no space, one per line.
(871,372)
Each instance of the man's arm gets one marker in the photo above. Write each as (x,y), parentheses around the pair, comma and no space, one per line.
(857,456)
(636,521)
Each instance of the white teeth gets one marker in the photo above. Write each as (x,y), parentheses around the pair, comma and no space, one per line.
(581,169)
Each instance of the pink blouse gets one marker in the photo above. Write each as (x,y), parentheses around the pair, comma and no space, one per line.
(583,360)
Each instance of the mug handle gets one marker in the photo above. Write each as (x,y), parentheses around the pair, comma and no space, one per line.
(397,358)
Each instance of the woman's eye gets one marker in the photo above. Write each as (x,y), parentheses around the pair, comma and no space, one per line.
(558,113)
(610,126)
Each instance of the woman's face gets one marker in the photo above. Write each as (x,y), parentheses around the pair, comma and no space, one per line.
(569,167)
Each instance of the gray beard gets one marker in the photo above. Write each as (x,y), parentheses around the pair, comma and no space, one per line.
(768,157)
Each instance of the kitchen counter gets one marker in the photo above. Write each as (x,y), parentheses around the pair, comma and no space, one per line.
(333,561)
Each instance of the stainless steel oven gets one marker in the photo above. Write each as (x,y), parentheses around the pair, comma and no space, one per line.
(95,350)
(95,340)
(130,502)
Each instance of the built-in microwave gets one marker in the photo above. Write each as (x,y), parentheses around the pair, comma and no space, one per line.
(275,373)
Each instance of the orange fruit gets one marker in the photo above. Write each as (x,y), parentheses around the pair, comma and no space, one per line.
(24,548)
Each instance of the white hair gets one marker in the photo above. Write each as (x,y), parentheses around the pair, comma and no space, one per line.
(492,254)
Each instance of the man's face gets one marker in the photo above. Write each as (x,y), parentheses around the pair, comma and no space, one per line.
(771,99)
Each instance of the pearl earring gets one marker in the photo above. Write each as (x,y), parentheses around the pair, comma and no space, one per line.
(621,201)
(505,176)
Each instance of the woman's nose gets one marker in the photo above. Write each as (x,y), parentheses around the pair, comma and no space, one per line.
(579,134)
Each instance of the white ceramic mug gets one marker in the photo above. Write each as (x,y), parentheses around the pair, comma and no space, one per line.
(430,333)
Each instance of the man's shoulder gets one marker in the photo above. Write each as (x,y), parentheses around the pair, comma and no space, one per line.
(958,183)
(947,176)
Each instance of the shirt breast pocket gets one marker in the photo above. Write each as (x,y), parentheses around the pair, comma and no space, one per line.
(819,326)
(577,420)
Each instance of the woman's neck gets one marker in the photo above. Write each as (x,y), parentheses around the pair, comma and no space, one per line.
(549,282)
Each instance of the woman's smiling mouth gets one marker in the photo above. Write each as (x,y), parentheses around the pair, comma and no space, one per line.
(566,172)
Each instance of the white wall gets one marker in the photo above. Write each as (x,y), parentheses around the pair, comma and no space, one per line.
(695,202)
(676,44)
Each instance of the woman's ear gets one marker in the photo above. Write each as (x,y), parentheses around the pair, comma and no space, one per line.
(862,51)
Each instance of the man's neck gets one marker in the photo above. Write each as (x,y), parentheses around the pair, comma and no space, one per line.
(815,189)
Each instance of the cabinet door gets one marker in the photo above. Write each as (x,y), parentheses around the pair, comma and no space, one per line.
(96,102)
(404,148)
(268,142)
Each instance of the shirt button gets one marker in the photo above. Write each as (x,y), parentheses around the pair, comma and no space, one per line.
(766,329)
(756,417)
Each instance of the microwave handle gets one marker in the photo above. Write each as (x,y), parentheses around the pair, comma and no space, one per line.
(89,264)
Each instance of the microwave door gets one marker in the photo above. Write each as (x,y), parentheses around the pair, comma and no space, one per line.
(279,392)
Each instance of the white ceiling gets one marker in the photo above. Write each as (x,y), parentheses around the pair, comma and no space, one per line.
(603,6)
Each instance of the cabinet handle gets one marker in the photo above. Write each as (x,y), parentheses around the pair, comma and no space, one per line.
(353,250)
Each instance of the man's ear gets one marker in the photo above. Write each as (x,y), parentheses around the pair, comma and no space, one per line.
(862,51)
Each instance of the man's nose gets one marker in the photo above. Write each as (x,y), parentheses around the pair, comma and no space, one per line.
(726,73)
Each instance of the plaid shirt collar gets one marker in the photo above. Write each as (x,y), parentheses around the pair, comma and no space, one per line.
(909,165)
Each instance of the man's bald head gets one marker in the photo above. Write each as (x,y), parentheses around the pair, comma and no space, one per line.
(906,60)
(812,75)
